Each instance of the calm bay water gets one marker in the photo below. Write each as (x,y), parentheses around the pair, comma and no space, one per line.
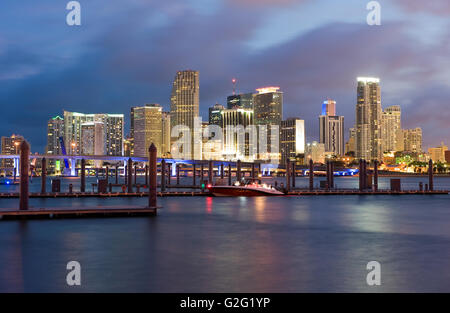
(205,244)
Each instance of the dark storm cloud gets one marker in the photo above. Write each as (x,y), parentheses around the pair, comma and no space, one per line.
(132,62)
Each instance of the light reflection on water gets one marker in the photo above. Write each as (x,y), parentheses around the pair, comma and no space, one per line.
(205,244)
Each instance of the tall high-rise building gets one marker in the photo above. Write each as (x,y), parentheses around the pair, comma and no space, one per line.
(147,121)
(236,145)
(412,140)
(185,99)
(93,138)
(391,128)
(368,119)
(329,108)
(438,154)
(113,131)
(55,130)
(242,101)
(215,114)
(315,151)
(331,129)
(292,141)
(350,146)
(268,111)
(10,146)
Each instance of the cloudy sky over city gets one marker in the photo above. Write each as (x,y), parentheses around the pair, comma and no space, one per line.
(126,53)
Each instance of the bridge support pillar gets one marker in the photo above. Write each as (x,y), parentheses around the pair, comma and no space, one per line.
(73,164)
(229,174)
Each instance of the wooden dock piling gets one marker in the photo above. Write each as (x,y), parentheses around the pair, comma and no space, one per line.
(24,174)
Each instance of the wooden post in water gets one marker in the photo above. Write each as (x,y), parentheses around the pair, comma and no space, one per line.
(311,175)
(169,174)
(375,175)
(229,174)
(194,174)
(83,176)
(238,170)
(146,175)
(107,175)
(44,176)
(430,176)
(153,171)
(24,169)
(202,174)
(130,175)
(293,174)
(288,176)
(253,171)
(117,174)
(163,175)
(331,175)
(210,172)
(361,175)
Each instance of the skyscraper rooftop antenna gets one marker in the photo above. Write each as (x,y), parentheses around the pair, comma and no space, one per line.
(234,81)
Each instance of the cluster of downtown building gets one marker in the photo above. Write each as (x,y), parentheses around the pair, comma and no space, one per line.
(376,135)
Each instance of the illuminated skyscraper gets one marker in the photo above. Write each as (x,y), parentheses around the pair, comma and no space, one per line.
(112,131)
(331,129)
(10,146)
(329,108)
(147,121)
(391,128)
(185,101)
(215,114)
(238,143)
(55,130)
(292,141)
(268,110)
(243,101)
(412,140)
(438,154)
(368,119)
(93,138)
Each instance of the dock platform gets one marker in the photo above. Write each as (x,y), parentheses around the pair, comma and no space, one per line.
(70,212)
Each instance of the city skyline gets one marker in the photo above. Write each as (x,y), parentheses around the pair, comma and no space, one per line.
(111,71)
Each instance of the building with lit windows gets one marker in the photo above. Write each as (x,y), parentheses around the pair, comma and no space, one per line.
(215,114)
(368,119)
(292,140)
(148,129)
(331,129)
(391,128)
(268,112)
(10,146)
(113,131)
(241,101)
(239,134)
(412,140)
(185,99)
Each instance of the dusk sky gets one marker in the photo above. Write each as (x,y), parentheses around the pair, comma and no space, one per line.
(126,53)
